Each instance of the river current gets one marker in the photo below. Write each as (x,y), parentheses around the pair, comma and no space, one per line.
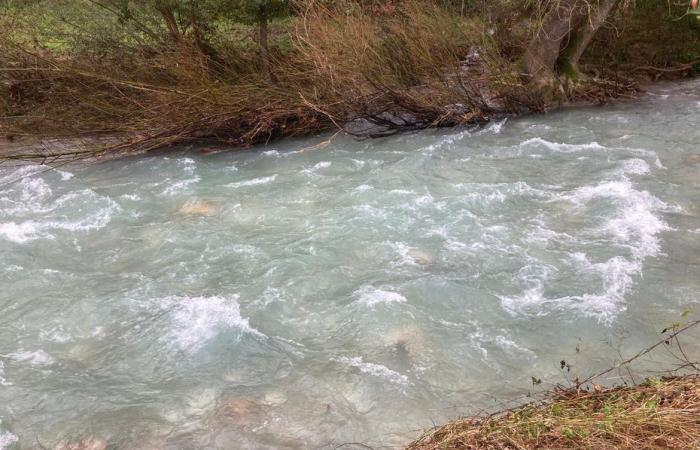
(301,296)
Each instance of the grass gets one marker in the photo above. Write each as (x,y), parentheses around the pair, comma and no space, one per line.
(659,414)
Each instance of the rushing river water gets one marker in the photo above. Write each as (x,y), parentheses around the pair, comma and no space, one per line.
(300,297)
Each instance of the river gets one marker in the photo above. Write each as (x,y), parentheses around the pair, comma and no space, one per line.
(292,296)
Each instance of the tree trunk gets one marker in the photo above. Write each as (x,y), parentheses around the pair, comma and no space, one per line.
(579,41)
(199,39)
(262,40)
(543,52)
(166,11)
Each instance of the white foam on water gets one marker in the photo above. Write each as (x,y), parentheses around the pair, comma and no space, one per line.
(22,172)
(188,164)
(371,211)
(278,154)
(19,233)
(57,218)
(362,188)
(480,339)
(371,296)
(359,164)
(28,195)
(562,147)
(271,295)
(56,334)
(30,230)
(246,249)
(634,226)
(446,141)
(411,256)
(180,186)
(636,223)
(574,148)
(35,358)
(488,193)
(493,127)
(402,249)
(375,370)
(604,307)
(440,231)
(543,235)
(7,439)
(3,380)
(538,128)
(65,176)
(510,345)
(482,198)
(638,226)
(16,174)
(428,201)
(59,335)
(611,189)
(456,246)
(635,166)
(497,127)
(196,320)
(253,182)
(317,167)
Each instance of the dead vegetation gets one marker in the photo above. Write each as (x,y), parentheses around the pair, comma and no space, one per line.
(364,68)
(661,413)
(398,69)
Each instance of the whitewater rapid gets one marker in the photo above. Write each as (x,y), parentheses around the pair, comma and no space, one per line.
(302,297)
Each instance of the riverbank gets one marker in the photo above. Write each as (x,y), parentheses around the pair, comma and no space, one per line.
(178,300)
(659,414)
(365,70)
(38,149)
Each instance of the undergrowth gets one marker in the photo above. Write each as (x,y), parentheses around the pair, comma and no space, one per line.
(69,68)
(660,414)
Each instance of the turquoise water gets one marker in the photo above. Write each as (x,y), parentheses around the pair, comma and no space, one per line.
(301,297)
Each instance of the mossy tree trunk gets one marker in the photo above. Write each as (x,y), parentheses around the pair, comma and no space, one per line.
(541,56)
(579,40)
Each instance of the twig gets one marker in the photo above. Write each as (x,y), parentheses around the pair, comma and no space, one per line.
(642,352)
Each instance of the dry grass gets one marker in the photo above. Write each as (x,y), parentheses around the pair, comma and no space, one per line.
(399,68)
(660,414)
(397,65)
(160,97)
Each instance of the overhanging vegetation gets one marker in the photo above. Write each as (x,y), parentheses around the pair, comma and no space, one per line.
(241,72)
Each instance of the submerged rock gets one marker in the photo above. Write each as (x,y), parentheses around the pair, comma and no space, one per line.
(407,340)
(420,257)
(693,159)
(241,411)
(85,444)
(199,208)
